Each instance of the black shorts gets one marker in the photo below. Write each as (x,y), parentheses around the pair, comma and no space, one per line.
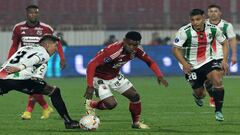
(29,86)
(199,76)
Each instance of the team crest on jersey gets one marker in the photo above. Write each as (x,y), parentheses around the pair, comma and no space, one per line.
(23,32)
(107,59)
(39,32)
(210,35)
(201,36)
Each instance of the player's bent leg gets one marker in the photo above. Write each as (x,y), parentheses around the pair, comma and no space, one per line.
(47,110)
(198,95)
(58,103)
(209,87)
(5,86)
(218,93)
(46,113)
(107,101)
(106,104)
(135,108)
(27,114)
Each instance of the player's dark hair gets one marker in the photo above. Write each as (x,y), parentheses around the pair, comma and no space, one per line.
(133,35)
(49,38)
(214,6)
(32,7)
(196,11)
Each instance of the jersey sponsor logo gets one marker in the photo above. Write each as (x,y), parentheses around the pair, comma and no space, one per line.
(30,39)
(28,44)
(23,28)
(38,28)
(121,56)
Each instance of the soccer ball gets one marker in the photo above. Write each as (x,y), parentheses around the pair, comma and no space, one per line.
(89,122)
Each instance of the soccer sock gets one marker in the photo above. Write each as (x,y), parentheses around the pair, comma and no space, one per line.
(40,99)
(218,95)
(30,104)
(98,104)
(135,109)
(60,106)
(209,88)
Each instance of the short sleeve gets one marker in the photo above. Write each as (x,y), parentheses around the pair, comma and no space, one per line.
(219,35)
(180,38)
(230,31)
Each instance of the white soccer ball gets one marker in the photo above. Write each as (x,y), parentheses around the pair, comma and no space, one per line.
(89,122)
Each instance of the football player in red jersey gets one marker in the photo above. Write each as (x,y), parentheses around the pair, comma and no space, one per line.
(103,75)
(26,33)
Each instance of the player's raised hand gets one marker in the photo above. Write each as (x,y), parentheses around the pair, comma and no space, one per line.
(63,64)
(225,67)
(11,70)
(163,81)
(89,92)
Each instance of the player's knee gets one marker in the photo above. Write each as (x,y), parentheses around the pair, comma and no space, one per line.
(208,85)
(200,93)
(135,98)
(217,82)
(111,105)
(55,92)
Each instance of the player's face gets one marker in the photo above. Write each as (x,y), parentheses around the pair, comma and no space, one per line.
(130,45)
(33,15)
(197,22)
(52,47)
(214,14)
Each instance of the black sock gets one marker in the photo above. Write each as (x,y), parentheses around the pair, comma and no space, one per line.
(60,106)
(218,95)
(209,88)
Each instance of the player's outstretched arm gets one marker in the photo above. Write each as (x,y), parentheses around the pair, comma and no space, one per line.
(153,65)
(61,55)
(225,57)
(92,65)
(233,45)
(11,70)
(89,92)
(178,54)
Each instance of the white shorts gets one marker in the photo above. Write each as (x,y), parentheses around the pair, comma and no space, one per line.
(41,71)
(119,84)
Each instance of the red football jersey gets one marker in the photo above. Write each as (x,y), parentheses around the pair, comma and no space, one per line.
(26,35)
(108,62)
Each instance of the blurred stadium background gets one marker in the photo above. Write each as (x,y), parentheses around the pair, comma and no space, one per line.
(87,24)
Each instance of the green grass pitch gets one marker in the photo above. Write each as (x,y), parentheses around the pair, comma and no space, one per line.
(166,110)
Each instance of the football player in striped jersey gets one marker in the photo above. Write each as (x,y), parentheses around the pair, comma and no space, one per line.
(193,49)
(214,14)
